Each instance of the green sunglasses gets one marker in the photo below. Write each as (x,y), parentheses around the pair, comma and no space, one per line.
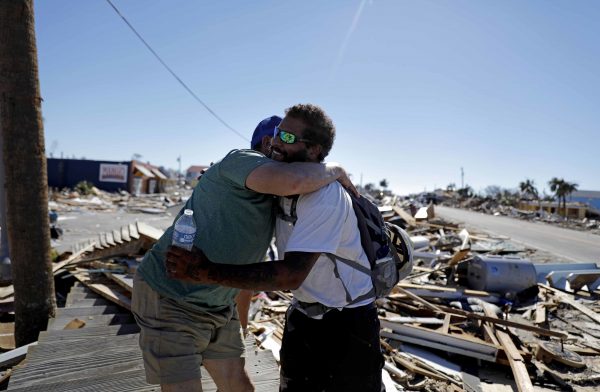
(288,137)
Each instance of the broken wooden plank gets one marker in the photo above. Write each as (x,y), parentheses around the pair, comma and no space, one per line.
(125,233)
(15,356)
(540,310)
(446,325)
(74,257)
(133,233)
(470,347)
(109,239)
(405,216)
(117,236)
(103,241)
(429,290)
(419,300)
(149,232)
(460,255)
(113,293)
(508,323)
(122,280)
(564,298)
(517,364)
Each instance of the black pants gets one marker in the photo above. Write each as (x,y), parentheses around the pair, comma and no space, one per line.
(340,353)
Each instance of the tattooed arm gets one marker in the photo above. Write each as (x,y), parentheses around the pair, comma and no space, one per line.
(286,274)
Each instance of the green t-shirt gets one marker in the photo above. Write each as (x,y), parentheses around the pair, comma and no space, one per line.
(234,225)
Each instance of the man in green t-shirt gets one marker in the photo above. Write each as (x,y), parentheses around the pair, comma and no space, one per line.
(185,325)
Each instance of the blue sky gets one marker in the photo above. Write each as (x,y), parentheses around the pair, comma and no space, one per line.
(507,90)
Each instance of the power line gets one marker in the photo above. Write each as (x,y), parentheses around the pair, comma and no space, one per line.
(215,115)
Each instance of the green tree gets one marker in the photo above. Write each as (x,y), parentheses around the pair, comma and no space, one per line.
(22,133)
(562,189)
(528,188)
(384,184)
(557,186)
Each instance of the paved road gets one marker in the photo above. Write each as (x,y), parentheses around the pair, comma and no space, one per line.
(83,225)
(569,244)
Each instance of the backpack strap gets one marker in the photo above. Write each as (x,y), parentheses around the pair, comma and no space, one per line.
(357,266)
(292,217)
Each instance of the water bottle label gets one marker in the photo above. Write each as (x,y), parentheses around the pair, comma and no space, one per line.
(183,240)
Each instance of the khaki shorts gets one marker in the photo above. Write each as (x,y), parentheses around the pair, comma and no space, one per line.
(176,336)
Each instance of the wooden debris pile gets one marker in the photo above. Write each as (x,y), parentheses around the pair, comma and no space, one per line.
(438,331)
(94,199)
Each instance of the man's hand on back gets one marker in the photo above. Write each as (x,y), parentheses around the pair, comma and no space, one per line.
(344,179)
(187,266)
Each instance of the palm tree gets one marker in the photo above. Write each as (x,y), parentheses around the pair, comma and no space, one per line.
(557,186)
(562,189)
(568,189)
(528,188)
(22,134)
(384,184)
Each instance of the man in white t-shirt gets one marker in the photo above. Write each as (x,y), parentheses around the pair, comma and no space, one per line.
(330,341)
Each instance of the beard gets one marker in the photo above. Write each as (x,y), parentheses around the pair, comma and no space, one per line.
(282,156)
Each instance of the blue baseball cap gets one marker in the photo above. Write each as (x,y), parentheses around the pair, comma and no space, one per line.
(264,128)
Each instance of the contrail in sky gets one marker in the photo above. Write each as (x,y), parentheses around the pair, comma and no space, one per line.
(342,50)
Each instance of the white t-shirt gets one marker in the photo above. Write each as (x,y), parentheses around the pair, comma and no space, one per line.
(326,224)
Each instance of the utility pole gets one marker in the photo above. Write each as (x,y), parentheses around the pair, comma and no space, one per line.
(462,178)
(5,273)
(25,171)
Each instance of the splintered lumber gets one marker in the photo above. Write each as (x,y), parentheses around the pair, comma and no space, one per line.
(149,232)
(459,256)
(517,364)
(133,232)
(394,371)
(564,298)
(445,292)
(117,236)
(471,347)
(405,216)
(122,280)
(419,300)
(413,320)
(540,310)
(125,234)
(446,324)
(508,323)
(108,290)
(15,356)
(74,257)
(7,291)
(433,360)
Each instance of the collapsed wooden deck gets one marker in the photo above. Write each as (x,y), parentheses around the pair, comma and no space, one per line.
(102,353)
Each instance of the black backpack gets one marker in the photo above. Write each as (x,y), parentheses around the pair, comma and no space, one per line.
(387,246)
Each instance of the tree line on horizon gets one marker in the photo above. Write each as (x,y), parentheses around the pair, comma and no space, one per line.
(560,188)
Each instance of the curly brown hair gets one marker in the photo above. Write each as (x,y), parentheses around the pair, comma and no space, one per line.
(320,129)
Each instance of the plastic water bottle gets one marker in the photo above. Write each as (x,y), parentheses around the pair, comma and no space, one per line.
(185,230)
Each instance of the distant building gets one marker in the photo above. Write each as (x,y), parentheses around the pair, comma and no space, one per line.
(193,172)
(574,210)
(111,176)
(591,198)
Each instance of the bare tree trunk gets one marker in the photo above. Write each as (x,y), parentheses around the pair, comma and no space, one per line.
(25,168)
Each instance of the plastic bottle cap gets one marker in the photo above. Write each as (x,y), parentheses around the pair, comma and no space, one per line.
(188,212)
